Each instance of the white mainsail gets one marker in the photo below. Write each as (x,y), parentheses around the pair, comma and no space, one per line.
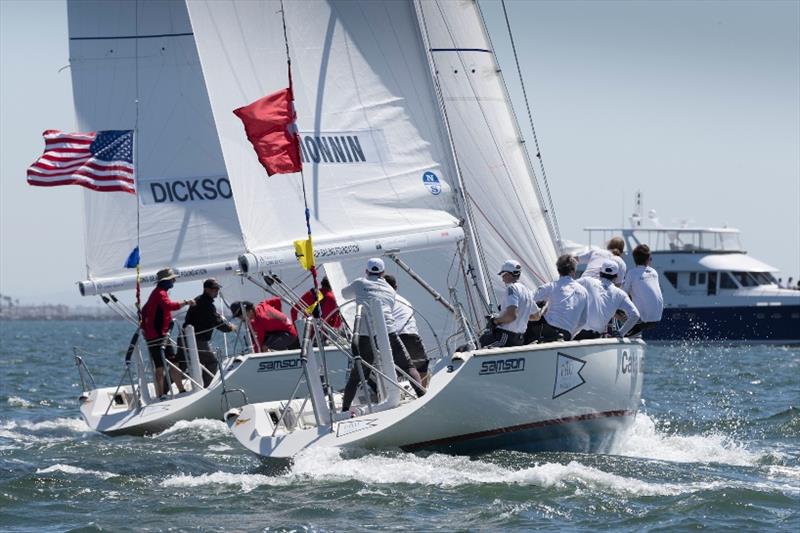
(377,163)
(120,52)
(504,203)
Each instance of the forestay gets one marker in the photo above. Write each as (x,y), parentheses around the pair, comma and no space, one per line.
(188,219)
(377,163)
(502,197)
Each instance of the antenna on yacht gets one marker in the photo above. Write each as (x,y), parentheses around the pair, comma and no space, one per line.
(638,215)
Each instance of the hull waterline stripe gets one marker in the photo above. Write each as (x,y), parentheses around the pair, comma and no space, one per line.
(118,37)
(513,429)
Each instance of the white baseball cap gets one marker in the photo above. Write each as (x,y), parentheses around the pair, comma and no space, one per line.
(511,267)
(375,266)
(610,268)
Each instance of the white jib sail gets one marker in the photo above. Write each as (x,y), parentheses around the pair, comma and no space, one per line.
(188,219)
(506,209)
(377,164)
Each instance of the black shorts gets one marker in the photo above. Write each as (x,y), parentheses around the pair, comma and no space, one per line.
(500,338)
(416,350)
(155,348)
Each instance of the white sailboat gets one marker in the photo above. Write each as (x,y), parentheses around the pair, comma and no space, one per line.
(122,53)
(434,176)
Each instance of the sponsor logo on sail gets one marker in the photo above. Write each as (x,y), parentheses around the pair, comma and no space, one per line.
(431,181)
(343,147)
(184,190)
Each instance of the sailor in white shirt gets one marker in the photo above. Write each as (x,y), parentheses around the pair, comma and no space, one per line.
(594,259)
(407,330)
(372,290)
(566,303)
(516,309)
(642,284)
(605,299)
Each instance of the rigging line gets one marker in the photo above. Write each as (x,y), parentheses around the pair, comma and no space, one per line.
(553,217)
(491,133)
(136,168)
(313,268)
(486,293)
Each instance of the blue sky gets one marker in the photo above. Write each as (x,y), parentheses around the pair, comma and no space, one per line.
(695,103)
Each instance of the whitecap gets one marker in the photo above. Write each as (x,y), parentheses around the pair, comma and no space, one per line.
(16,401)
(72,424)
(75,470)
(645,441)
(246,482)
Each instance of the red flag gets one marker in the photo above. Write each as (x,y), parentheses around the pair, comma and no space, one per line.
(269,123)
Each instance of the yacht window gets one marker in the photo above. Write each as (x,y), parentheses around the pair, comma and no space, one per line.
(712,283)
(672,277)
(701,278)
(764,278)
(745,279)
(692,278)
(726,281)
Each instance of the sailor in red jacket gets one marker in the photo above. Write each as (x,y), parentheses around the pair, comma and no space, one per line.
(328,306)
(271,329)
(156,321)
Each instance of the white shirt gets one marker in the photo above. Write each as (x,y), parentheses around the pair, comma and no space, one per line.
(567,303)
(594,259)
(642,284)
(521,297)
(404,317)
(374,289)
(604,300)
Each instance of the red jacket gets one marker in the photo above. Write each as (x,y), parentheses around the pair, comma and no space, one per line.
(157,314)
(268,320)
(328,307)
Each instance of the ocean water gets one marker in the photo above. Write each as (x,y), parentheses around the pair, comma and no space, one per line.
(716,445)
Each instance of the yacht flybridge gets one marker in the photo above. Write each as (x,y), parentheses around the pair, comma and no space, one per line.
(712,288)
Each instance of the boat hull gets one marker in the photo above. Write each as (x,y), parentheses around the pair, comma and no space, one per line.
(269,376)
(566,396)
(773,324)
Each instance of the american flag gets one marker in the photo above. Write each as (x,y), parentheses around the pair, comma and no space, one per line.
(101,161)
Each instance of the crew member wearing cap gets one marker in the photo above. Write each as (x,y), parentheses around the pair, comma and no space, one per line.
(205,319)
(156,322)
(408,332)
(270,328)
(566,303)
(643,286)
(516,309)
(605,299)
(373,290)
(594,259)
